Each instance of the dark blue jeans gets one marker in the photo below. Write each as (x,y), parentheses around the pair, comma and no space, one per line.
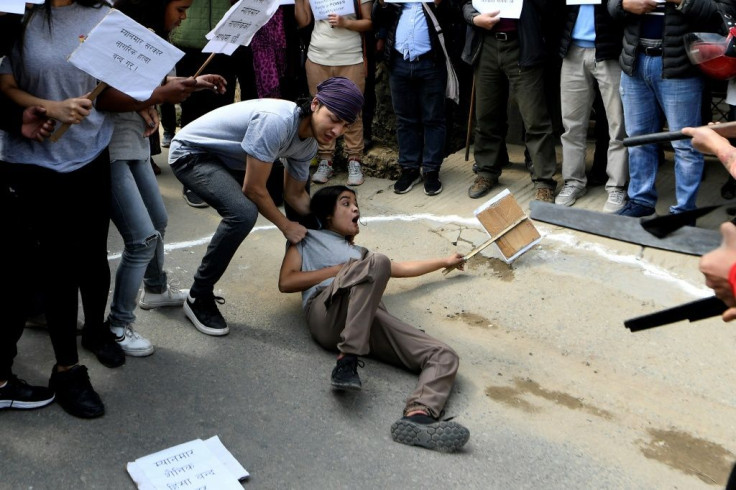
(211,180)
(418,95)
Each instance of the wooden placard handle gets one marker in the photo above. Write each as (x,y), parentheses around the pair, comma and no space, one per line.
(206,62)
(92,96)
(485,244)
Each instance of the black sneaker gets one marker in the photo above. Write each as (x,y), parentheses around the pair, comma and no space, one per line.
(432,184)
(193,199)
(345,375)
(408,178)
(20,395)
(101,342)
(425,431)
(203,313)
(75,394)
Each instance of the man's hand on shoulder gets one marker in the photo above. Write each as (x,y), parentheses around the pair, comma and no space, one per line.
(294,232)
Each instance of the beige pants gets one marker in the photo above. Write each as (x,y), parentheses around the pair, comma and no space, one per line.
(317,74)
(350,316)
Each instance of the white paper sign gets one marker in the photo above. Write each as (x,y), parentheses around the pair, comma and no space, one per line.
(13,6)
(239,24)
(286,2)
(510,9)
(126,55)
(583,2)
(322,8)
(195,464)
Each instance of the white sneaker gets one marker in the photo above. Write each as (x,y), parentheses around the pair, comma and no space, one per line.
(324,172)
(170,297)
(355,175)
(616,201)
(131,342)
(569,194)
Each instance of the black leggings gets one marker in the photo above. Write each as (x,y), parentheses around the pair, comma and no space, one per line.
(56,241)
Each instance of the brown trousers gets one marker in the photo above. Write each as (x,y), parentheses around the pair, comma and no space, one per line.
(317,74)
(350,316)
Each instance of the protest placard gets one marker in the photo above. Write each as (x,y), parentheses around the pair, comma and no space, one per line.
(125,55)
(322,8)
(510,9)
(238,25)
(13,6)
(194,464)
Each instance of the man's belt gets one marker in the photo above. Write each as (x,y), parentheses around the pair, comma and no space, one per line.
(651,51)
(506,36)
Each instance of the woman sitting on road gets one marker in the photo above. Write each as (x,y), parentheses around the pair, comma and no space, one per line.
(342,285)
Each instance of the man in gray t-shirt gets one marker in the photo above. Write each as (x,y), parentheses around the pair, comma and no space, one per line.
(210,154)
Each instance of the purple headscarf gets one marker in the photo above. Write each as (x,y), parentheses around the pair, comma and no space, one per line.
(341,96)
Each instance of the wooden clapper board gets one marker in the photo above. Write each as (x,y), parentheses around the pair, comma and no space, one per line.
(509,228)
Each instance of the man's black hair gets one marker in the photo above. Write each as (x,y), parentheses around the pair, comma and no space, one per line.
(305,106)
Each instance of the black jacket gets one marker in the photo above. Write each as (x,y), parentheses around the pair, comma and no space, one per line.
(608,33)
(531,37)
(694,16)
(386,18)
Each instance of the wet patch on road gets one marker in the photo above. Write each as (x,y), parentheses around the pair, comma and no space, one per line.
(693,456)
(497,266)
(473,320)
(512,395)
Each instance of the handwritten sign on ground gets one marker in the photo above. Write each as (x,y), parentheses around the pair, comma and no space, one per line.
(510,9)
(194,464)
(239,24)
(322,8)
(125,55)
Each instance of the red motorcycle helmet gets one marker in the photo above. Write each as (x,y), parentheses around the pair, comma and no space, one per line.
(713,53)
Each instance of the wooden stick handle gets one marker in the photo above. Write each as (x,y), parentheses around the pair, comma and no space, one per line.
(206,62)
(485,244)
(647,139)
(470,121)
(92,96)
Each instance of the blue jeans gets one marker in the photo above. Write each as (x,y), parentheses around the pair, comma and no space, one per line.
(644,95)
(418,96)
(140,216)
(211,180)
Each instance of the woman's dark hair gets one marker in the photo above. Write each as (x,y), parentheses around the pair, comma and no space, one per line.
(149,13)
(324,201)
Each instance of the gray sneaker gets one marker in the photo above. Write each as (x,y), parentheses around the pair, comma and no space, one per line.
(569,194)
(616,201)
(324,172)
(355,174)
(170,297)
(132,343)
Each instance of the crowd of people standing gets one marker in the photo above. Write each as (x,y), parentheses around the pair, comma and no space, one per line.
(248,158)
